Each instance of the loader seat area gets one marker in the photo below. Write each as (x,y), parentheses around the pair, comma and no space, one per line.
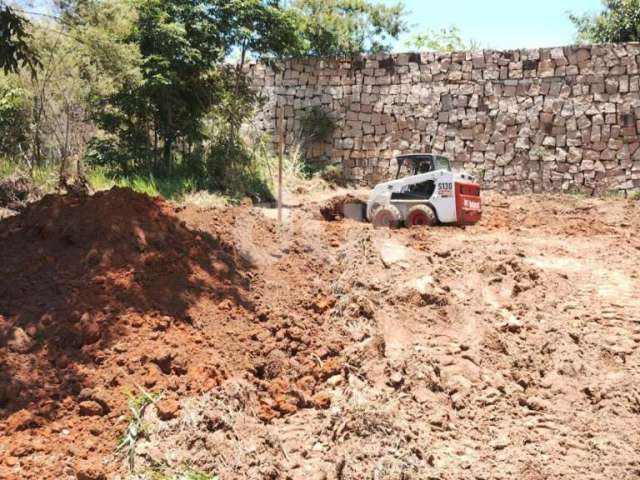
(415,164)
(419,191)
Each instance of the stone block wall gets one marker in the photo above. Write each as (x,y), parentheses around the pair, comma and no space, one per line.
(523,120)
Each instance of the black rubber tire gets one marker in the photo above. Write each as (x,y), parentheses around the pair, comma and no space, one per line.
(386,217)
(421,216)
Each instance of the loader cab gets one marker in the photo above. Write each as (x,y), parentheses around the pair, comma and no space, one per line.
(417,163)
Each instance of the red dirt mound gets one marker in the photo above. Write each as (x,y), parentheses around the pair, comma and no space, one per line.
(104,294)
(98,294)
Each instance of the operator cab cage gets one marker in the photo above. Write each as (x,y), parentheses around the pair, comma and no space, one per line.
(417,163)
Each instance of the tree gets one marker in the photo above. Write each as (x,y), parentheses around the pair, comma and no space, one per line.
(184,45)
(82,58)
(343,28)
(443,40)
(15,51)
(619,21)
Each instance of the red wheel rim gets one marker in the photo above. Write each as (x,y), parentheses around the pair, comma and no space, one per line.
(418,219)
(384,219)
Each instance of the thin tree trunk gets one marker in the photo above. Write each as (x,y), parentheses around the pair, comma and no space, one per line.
(155,147)
(168,143)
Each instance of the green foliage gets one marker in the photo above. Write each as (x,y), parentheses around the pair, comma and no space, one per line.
(143,90)
(83,57)
(343,28)
(331,173)
(45,176)
(14,120)
(173,187)
(443,40)
(317,124)
(190,104)
(15,49)
(619,21)
(101,34)
(238,170)
(176,87)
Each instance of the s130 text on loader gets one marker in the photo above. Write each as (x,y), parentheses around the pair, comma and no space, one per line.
(425,192)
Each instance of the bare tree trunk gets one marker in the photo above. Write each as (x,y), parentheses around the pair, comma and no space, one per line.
(155,146)
(65,174)
(168,144)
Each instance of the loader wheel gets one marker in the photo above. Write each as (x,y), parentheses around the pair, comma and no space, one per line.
(386,217)
(420,216)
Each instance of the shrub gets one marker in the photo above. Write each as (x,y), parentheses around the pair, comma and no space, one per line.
(14,120)
(317,125)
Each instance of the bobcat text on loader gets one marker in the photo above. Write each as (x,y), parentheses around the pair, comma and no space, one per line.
(425,192)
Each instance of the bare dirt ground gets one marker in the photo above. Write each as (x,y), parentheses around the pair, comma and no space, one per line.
(317,349)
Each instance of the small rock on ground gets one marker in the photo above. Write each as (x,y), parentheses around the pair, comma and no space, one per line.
(90,472)
(167,409)
(91,408)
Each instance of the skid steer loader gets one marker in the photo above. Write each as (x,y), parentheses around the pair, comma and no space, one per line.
(425,192)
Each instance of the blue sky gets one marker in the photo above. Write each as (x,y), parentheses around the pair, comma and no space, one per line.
(500,24)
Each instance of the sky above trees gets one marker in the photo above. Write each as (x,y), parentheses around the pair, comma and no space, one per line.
(501,24)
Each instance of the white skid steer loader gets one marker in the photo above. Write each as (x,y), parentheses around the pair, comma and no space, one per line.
(425,192)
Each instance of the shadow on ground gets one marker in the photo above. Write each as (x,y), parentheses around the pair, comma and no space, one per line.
(78,273)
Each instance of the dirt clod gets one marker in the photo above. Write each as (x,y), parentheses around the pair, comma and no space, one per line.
(89,471)
(321,400)
(22,420)
(90,408)
(167,409)
(396,379)
(19,341)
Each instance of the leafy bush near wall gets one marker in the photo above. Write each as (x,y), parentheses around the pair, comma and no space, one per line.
(317,124)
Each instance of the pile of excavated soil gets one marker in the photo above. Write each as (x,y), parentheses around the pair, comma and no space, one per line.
(97,295)
(295,347)
(113,293)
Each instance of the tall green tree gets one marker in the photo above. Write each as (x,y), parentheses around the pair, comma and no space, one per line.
(184,45)
(343,28)
(619,21)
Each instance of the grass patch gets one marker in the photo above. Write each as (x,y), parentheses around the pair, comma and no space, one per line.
(174,187)
(135,423)
(45,176)
(614,195)
(253,174)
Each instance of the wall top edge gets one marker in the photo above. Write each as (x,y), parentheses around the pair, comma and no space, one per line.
(620,49)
